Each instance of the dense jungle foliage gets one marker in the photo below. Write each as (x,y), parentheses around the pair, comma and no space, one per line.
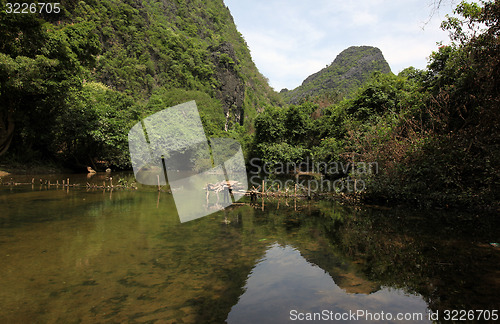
(73,83)
(433,133)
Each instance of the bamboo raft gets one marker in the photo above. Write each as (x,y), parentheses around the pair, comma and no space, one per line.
(230,187)
(227,188)
(65,183)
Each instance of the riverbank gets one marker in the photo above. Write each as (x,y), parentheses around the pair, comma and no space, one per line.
(429,201)
(16,168)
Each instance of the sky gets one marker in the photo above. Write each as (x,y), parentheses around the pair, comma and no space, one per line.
(292,39)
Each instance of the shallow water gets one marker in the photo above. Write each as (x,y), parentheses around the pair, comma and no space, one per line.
(72,255)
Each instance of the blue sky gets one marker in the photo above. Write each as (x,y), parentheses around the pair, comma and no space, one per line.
(291,39)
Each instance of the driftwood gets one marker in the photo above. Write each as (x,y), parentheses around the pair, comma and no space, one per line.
(226,187)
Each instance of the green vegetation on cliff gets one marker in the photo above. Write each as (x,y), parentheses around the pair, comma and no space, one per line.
(73,83)
(350,70)
(433,133)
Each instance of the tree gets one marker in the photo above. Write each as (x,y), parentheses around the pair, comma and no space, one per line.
(384,93)
(269,125)
(298,123)
(95,127)
(41,65)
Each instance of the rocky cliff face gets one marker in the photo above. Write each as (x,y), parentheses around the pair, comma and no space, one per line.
(187,45)
(348,71)
(231,87)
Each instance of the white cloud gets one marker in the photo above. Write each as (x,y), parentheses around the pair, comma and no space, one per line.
(282,58)
(289,40)
(364,19)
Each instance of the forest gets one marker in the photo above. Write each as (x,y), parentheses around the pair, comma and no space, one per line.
(72,85)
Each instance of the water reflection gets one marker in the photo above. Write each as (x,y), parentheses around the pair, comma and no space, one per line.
(123,256)
(284,284)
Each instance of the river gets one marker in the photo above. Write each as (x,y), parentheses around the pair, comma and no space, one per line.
(78,255)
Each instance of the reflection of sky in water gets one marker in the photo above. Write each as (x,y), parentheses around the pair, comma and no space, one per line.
(100,256)
(284,280)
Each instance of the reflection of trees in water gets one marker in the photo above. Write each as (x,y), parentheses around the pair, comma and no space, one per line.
(439,259)
(136,262)
(200,277)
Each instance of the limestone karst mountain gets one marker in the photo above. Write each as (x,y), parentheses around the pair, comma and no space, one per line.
(348,71)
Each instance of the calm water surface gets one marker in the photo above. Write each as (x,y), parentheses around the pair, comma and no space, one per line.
(122,256)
